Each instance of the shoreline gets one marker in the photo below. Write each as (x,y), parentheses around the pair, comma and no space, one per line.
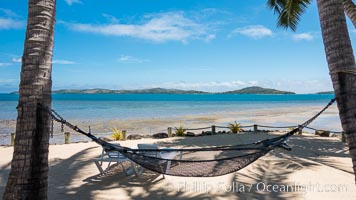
(283,116)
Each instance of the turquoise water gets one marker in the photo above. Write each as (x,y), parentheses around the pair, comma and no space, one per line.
(131,106)
(99,109)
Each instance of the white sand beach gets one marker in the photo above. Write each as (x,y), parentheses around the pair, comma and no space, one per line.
(316,168)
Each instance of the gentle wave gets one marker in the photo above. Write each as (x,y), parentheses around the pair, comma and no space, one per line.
(128,106)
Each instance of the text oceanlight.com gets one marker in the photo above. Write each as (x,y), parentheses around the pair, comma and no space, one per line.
(203,187)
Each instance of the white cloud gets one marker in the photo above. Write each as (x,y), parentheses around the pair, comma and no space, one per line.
(60,62)
(171,26)
(9,13)
(255,31)
(71,2)
(63,62)
(131,59)
(4,64)
(210,37)
(303,36)
(7,80)
(10,20)
(111,19)
(212,86)
(8,23)
(16,60)
(298,86)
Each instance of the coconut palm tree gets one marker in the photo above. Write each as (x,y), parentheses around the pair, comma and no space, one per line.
(339,55)
(350,10)
(29,166)
(289,11)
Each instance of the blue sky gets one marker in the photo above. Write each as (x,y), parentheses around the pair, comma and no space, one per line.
(202,45)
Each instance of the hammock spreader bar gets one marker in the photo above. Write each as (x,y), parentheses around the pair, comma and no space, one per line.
(197,162)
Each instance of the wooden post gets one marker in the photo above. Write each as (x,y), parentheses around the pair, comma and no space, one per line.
(123,136)
(300,132)
(169,131)
(255,128)
(343,138)
(66,137)
(213,129)
(12,139)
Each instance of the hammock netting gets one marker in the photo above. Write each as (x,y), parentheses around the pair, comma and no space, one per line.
(196,162)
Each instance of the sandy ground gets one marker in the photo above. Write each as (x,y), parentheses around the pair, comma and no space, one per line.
(283,116)
(316,168)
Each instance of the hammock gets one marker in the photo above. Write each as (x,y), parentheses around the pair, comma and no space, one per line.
(197,162)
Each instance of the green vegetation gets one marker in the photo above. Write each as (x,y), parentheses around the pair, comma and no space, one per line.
(180,131)
(291,128)
(160,91)
(257,90)
(247,90)
(84,91)
(235,127)
(143,91)
(327,92)
(117,134)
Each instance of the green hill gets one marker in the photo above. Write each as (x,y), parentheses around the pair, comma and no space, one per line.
(247,90)
(84,91)
(327,92)
(141,91)
(257,90)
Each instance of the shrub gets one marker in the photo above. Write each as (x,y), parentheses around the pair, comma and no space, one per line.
(117,134)
(235,127)
(180,131)
(291,128)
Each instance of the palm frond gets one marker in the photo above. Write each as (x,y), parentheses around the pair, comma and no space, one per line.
(289,11)
(180,131)
(276,5)
(117,134)
(235,127)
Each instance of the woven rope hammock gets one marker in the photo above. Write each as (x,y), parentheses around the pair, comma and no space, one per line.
(197,162)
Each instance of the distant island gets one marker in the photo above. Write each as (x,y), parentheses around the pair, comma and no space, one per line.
(257,90)
(247,90)
(141,91)
(327,92)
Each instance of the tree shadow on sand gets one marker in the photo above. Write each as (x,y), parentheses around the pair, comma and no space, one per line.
(149,185)
(257,180)
(65,175)
(320,150)
(4,174)
(278,165)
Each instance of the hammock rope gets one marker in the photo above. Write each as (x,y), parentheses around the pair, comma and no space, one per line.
(196,162)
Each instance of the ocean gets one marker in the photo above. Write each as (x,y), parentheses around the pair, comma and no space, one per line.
(132,106)
(152,113)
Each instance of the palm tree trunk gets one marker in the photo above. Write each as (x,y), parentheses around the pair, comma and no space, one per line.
(350,10)
(341,62)
(29,166)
